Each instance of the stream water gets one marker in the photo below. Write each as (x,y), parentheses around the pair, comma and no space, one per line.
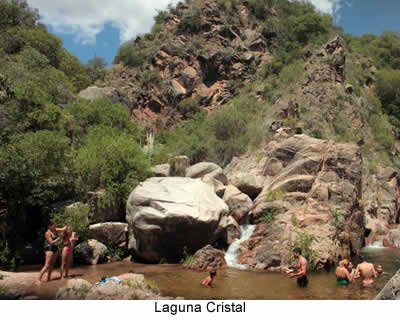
(234,283)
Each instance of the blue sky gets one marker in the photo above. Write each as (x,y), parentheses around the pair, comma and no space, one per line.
(98,27)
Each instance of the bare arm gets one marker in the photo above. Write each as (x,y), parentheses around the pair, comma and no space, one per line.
(61,229)
(301,271)
(50,240)
(348,276)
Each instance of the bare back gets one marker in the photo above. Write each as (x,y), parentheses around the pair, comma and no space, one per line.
(367,272)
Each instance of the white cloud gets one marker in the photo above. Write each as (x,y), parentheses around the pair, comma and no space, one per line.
(86,18)
(332,7)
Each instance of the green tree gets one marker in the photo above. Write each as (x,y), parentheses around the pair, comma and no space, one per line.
(110,160)
(96,68)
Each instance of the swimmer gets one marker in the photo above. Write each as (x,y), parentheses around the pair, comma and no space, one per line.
(300,270)
(207,282)
(367,273)
(343,276)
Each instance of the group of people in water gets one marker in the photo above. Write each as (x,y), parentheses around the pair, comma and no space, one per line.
(54,237)
(345,272)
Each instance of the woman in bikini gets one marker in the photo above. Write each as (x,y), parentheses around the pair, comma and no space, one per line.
(68,242)
(50,250)
(343,276)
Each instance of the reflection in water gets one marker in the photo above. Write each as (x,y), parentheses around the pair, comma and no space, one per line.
(232,283)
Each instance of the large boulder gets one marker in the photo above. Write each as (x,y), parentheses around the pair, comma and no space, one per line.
(247,174)
(239,203)
(311,201)
(206,170)
(391,291)
(171,215)
(161,170)
(75,289)
(208,258)
(90,252)
(112,234)
(93,93)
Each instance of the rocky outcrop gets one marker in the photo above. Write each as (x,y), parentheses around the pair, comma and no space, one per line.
(312,198)
(112,234)
(90,252)
(381,201)
(239,203)
(94,92)
(170,215)
(391,291)
(246,174)
(208,258)
(187,66)
(161,170)
(132,287)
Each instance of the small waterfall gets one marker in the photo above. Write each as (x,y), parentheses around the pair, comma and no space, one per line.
(231,256)
(376,245)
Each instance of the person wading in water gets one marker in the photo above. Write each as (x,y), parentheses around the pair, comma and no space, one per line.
(300,270)
(343,276)
(50,250)
(367,273)
(69,239)
(207,282)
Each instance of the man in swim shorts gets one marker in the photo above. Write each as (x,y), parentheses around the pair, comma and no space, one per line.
(207,282)
(300,270)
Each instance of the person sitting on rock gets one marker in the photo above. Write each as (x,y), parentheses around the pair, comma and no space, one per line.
(367,273)
(207,282)
(300,270)
(343,276)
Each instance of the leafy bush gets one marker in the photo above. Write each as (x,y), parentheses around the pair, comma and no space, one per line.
(336,214)
(16,13)
(304,241)
(110,159)
(190,24)
(388,90)
(130,54)
(75,217)
(267,216)
(81,115)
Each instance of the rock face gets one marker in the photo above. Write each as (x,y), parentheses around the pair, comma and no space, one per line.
(189,66)
(391,291)
(94,92)
(170,215)
(246,173)
(313,196)
(112,234)
(208,258)
(381,199)
(161,170)
(239,203)
(90,252)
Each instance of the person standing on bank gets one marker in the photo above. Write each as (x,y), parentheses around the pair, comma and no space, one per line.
(50,250)
(300,270)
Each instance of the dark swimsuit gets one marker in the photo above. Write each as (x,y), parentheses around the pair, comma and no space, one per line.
(51,247)
(302,281)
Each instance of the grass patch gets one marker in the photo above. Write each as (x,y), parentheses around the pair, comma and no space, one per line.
(267,216)
(336,214)
(151,284)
